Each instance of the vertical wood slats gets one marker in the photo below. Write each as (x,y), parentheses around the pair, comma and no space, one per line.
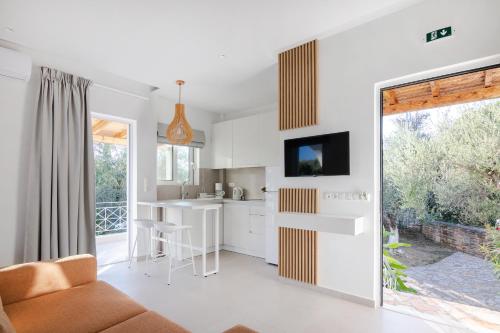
(298,254)
(298,200)
(297,87)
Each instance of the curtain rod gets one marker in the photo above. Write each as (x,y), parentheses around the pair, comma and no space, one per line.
(98,85)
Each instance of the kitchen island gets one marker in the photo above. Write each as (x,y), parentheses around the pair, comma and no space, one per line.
(232,225)
(204,206)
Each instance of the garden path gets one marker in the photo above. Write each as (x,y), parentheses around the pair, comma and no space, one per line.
(460,278)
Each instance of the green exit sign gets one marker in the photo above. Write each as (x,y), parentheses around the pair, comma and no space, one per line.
(438,34)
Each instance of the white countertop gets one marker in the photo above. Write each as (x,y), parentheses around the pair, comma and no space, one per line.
(199,203)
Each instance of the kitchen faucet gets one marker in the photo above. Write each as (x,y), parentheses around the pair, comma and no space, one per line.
(184,194)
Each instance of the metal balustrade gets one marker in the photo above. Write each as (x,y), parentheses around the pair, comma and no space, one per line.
(111,218)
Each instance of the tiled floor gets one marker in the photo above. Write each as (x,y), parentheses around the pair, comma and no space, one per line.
(248,291)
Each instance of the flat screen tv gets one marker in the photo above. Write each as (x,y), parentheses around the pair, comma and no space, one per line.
(321,155)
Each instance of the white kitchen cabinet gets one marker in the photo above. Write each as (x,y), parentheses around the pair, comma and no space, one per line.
(222,147)
(236,226)
(247,142)
(247,145)
(244,228)
(256,237)
(269,139)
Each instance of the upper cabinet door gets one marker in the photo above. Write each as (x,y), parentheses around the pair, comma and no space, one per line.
(270,139)
(247,143)
(222,147)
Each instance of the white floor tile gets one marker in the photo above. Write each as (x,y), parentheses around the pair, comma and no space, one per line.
(247,291)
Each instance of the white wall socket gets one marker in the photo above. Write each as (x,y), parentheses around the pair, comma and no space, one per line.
(363,196)
(230,184)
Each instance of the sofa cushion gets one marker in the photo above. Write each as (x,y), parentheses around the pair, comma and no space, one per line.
(87,308)
(20,282)
(5,324)
(150,322)
(240,329)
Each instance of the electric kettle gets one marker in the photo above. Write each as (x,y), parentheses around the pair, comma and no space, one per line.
(237,193)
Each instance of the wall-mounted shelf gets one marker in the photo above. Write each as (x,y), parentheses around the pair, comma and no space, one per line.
(345,225)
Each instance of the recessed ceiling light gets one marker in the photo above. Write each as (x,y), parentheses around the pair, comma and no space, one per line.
(222,56)
(8,29)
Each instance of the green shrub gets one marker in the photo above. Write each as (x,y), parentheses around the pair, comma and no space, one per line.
(491,248)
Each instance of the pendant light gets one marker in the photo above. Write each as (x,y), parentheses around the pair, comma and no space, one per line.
(179,132)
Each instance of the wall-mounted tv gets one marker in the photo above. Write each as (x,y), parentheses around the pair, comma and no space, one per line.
(321,155)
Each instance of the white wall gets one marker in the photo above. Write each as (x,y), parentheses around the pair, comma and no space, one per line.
(350,65)
(15,98)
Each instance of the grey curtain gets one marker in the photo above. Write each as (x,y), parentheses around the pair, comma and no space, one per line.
(60,215)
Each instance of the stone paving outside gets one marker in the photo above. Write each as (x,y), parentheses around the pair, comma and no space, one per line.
(458,288)
(458,278)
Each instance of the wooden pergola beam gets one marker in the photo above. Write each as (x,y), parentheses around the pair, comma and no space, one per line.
(444,100)
(488,78)
(108,139)
(465,88)
(391,96)
(99,125)
(435,88)
(121,134)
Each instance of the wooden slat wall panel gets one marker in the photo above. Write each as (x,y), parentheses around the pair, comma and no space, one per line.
(297,87)
(298,254)
(298,200)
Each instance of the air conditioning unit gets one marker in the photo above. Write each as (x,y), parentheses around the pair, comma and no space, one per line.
(15,64)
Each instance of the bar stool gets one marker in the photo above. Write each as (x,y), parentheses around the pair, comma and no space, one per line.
(170,230)
(148,226)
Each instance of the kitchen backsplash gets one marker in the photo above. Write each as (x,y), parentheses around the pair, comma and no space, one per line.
(250,179)
(207,180)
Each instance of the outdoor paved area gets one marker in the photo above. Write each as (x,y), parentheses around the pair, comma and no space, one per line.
(475,319)
(460,289)
(458,278)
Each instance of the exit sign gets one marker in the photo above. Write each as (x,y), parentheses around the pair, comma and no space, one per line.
(438,34)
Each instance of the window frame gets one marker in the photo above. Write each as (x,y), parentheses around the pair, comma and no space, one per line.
(193,156)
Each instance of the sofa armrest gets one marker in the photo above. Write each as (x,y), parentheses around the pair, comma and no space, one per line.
(29,280)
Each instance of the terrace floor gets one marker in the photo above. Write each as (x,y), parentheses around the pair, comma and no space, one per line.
(111,249)
(452,287)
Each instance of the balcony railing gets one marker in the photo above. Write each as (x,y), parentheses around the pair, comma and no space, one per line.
(110,218)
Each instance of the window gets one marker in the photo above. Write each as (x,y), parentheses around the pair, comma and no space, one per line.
(177,164)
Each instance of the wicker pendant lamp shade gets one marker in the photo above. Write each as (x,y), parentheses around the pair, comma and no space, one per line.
(179,132)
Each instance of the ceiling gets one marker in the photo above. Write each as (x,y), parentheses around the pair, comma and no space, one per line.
(224,49)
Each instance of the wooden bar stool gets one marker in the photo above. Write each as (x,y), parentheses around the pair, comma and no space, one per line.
(165,233)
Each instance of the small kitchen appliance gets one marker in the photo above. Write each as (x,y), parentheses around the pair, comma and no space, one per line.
(237,193)
(219,192)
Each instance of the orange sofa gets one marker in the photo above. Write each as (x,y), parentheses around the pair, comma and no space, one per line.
(65,296)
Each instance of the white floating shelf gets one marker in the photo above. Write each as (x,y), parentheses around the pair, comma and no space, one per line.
(345,225)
